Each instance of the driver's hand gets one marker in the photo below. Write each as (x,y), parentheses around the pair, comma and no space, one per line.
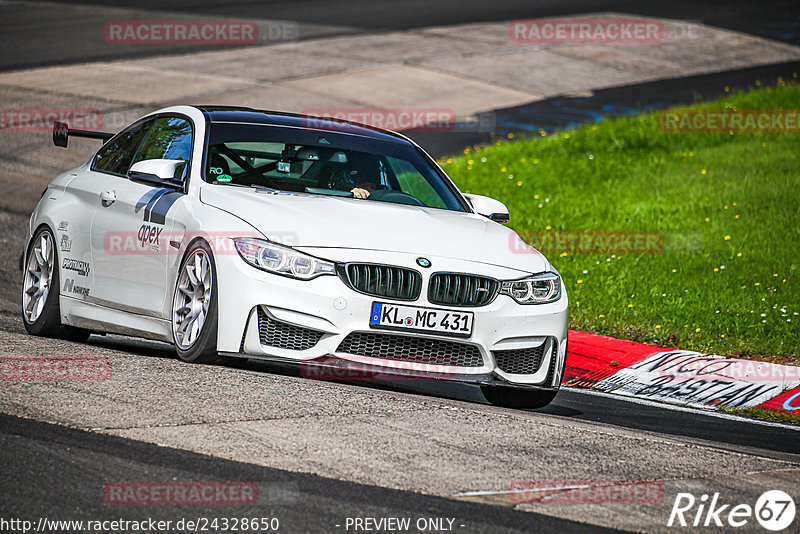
(359,192)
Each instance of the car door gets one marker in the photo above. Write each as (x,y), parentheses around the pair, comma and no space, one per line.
(106,168)
(131,227)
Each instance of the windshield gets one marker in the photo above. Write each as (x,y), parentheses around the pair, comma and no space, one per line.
(325,163)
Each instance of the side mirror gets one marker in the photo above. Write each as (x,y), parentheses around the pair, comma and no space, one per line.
(163,172)
(488,207)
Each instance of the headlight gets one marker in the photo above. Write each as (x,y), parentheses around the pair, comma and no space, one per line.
(278,259)
(537,289)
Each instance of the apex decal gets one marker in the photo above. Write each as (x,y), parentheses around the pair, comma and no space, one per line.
(149,235)
(80,267)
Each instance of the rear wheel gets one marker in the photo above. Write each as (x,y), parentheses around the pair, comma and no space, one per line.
(194,306)
(517,398)
(41,313)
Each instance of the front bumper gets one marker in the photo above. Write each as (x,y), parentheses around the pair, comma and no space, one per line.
(329,309)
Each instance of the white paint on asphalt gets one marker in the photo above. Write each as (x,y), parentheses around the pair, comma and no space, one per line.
(524,490)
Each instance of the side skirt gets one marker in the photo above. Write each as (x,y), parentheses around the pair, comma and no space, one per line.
(81,314)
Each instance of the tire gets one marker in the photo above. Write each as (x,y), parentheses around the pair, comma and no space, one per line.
(194,306)
(41,310)
(517,398)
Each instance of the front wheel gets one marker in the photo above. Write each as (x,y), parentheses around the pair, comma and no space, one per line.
(194,306)
(517,398)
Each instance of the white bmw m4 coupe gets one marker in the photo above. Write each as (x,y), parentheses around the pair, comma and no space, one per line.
(237,233)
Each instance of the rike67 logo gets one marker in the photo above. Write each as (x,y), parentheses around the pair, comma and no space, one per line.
(774,510)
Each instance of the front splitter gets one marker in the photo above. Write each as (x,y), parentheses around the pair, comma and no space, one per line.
(339,369)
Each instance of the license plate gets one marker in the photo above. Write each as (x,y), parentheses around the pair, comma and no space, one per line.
(416,319)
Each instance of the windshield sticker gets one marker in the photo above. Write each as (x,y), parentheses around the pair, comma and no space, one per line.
(224,178)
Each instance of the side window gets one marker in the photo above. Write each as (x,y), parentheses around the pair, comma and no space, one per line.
(116,156)
(169,138)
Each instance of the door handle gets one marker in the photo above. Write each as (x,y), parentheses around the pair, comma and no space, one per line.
(108,197)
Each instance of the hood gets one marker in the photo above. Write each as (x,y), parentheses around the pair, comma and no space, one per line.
(305,220)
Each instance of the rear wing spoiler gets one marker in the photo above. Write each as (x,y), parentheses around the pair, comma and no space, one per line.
(61,133)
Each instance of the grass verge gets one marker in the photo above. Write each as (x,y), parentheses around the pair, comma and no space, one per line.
(726,205)
(767,415)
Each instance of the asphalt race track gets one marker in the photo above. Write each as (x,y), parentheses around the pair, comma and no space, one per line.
(302,503)
(63,32)
(325,452)
(333,450)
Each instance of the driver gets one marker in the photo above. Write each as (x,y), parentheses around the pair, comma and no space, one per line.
(361,192)
(365,173)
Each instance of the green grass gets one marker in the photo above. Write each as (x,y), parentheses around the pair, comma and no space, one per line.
(760,413)
(628,174)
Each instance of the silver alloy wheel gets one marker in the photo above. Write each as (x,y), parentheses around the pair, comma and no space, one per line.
(192,299)
(38,276)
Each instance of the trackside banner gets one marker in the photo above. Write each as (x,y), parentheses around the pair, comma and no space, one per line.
(700,380)
(677,376)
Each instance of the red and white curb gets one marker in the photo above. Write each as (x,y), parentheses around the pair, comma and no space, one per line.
(661,374)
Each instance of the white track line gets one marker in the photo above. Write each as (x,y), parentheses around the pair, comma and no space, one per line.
(550,488)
